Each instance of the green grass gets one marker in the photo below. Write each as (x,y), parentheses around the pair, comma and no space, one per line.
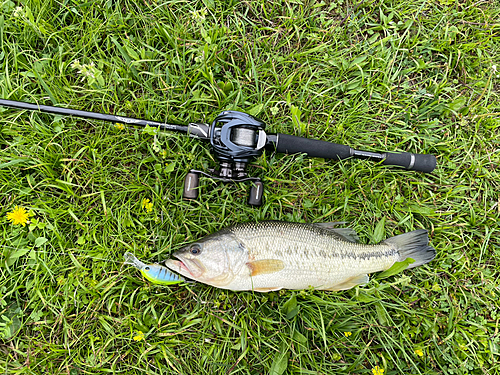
(414,76)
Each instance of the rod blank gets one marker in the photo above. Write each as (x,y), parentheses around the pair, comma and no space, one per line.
(91,115)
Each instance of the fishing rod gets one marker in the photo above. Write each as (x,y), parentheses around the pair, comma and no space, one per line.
(236,138)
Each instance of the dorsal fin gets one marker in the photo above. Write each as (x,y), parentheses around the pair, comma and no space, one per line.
(347,234)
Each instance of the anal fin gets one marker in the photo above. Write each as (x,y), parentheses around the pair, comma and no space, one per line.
(350,283)
(265,290)
(265,266)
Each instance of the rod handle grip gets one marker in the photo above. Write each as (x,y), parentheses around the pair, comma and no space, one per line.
(414,162)
(291,144)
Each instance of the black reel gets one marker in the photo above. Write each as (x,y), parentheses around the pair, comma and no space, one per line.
(236,139)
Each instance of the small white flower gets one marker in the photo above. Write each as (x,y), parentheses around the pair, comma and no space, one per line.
(18,12)
(87,73)
(199,15)
(86,70)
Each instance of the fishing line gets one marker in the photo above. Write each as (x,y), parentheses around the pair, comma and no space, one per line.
(67,254)
(123,262)
(129,259)
(60,253)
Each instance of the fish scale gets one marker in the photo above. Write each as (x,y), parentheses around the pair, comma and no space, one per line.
(313,256)
(272,255)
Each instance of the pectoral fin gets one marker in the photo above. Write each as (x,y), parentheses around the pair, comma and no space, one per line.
(265,266)
(351,282)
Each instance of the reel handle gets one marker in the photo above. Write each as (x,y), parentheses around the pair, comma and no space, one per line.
(256,191)
(192,182)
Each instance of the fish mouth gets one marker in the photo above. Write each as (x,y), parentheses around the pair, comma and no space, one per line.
(187,267)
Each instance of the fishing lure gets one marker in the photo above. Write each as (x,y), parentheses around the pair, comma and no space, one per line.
(153,272)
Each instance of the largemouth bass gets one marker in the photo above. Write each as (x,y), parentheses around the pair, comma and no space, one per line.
(273,255)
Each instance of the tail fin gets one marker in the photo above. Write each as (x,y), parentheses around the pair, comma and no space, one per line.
(413,245)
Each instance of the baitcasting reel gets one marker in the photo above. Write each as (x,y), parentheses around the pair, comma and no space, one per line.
(236,138)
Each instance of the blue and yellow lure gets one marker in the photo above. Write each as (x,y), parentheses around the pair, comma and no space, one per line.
(153,272)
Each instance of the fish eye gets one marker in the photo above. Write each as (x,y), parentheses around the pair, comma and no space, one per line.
(147,268)
(195,250)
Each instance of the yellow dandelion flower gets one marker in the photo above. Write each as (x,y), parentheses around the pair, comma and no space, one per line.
(119,126)
(139,336)
(18,216)
(147,205)
(347,334)
(419,352)
(378,371)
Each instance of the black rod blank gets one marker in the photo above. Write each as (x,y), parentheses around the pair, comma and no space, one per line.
(91,115)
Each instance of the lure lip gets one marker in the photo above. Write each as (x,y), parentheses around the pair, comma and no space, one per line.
(133,261)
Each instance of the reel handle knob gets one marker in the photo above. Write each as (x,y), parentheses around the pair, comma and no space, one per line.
(191,183)
(256,192)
